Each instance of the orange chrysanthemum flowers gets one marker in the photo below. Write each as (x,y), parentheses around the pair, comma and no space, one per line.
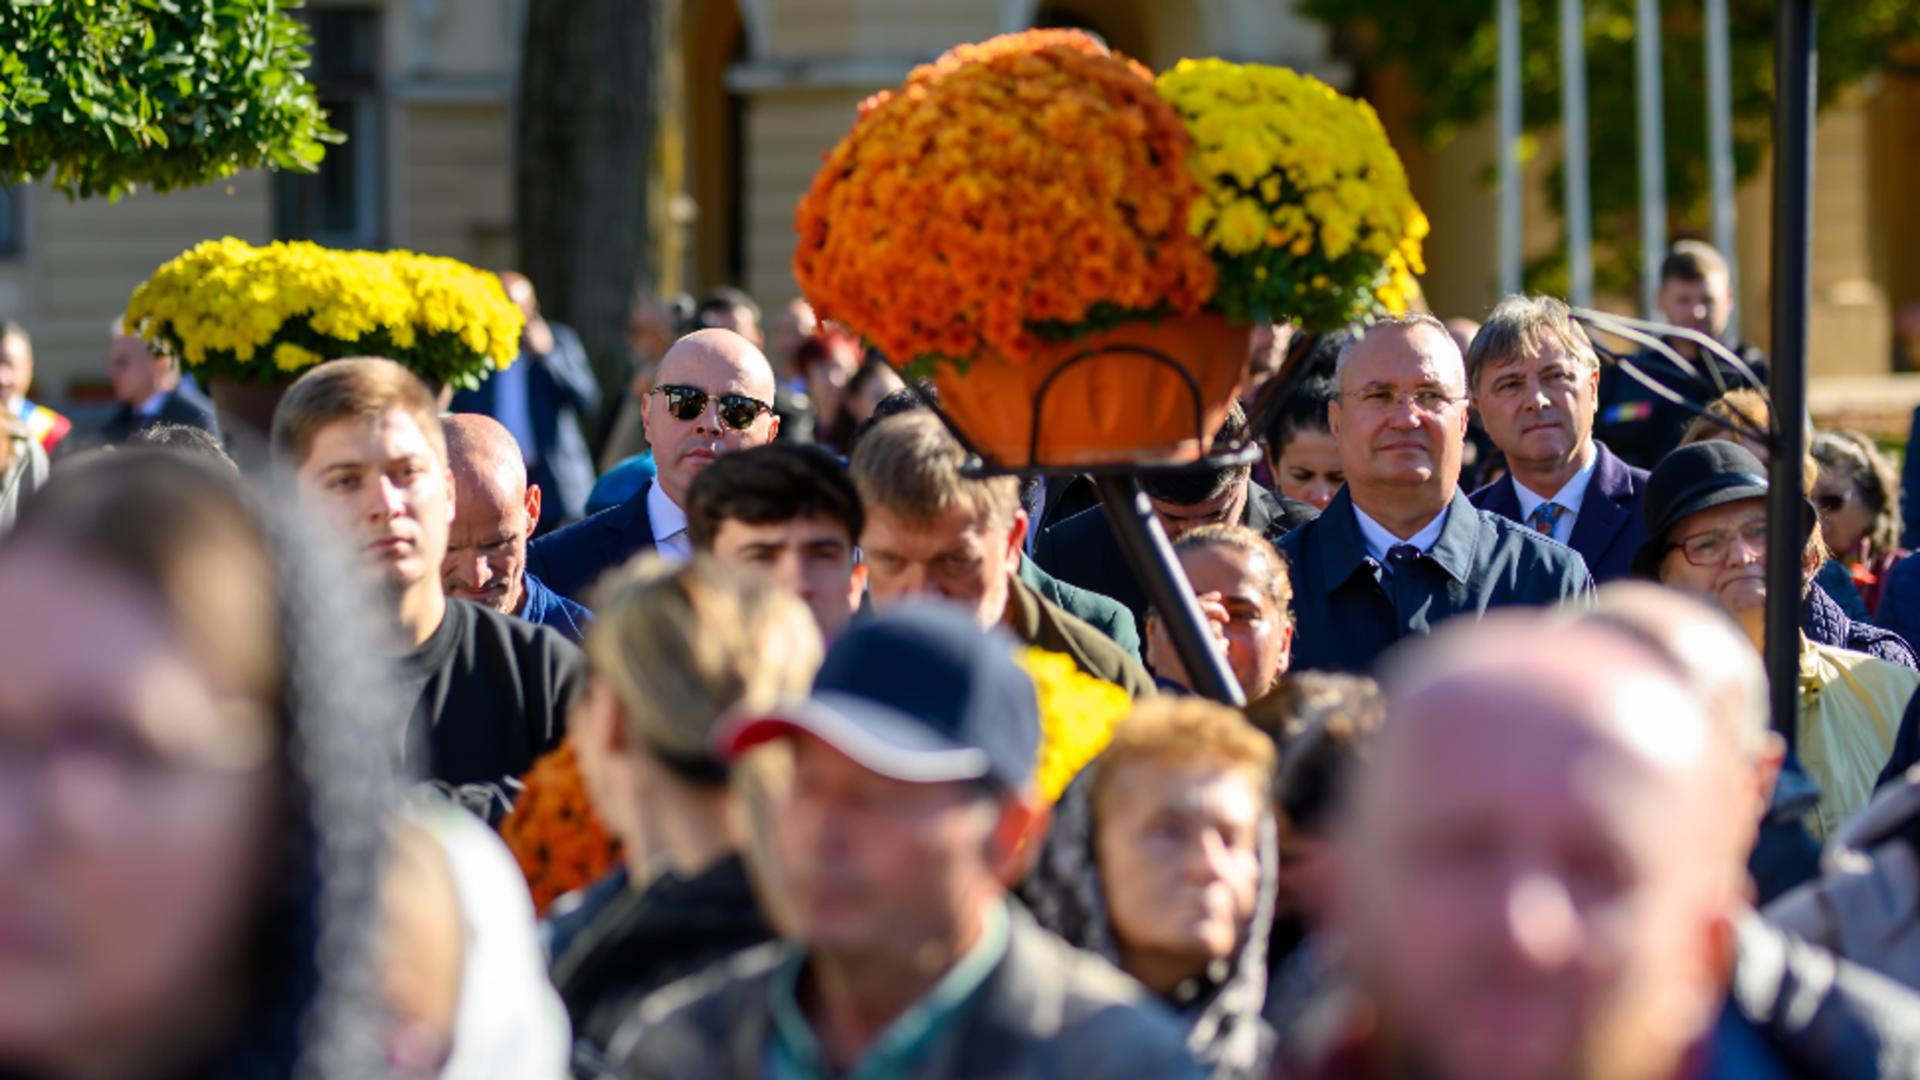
(553,832)
(1031,180)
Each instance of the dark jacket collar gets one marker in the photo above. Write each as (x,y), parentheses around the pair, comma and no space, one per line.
(1342,550)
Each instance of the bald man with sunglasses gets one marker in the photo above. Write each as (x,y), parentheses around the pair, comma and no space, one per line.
(712,395)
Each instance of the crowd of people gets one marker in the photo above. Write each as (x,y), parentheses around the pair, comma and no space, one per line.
(1505,798)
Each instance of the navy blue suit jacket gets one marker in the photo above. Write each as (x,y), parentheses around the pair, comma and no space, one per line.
(1347,611)
(1611,524)
(561,391)
(570,560)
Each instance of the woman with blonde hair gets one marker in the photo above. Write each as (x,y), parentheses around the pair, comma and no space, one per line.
(673,648)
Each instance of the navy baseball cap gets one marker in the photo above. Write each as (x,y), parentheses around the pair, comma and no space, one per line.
(919,694)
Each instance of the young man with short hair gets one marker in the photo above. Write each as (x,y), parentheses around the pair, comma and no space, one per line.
(792,513)
(1533,376)
(1696,293)
(489,692)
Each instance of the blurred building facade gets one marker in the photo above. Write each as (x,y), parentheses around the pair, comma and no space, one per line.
(755,90)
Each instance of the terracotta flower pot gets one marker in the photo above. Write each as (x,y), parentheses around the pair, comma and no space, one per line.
(247,406)
(1142,393)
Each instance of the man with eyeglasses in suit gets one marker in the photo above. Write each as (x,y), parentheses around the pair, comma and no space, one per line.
(1401,548)
(712,396)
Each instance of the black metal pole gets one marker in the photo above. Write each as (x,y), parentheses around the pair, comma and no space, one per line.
(1794,62)
(1152,559)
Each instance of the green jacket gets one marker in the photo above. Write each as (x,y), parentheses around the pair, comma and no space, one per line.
(1040,622)
(1103,613)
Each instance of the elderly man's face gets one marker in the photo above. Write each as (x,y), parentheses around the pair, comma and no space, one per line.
(876,866)
(716,367)
(1401,418)
(1537,882)
(1720,554)
(496,514)
(959,556)
(1539,408)
(1178,848)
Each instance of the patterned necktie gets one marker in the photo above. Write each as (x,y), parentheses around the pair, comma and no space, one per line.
(1545,517)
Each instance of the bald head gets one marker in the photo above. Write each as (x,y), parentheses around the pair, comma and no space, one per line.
(719,379)
(495,513)
(1539,867)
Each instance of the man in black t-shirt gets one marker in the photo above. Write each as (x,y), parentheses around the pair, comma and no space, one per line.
(489,692)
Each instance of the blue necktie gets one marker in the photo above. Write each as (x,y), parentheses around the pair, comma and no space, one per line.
(1545,517)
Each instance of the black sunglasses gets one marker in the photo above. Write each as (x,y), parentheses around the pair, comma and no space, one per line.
(737,411)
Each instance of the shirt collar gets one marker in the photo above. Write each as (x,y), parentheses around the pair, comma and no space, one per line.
(667,519)
(1378,539)
(151,406)
(900,1045)
(1571,494)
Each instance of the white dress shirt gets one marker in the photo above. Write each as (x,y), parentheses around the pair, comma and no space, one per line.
(1570,496)
(669,525)
(1379,539)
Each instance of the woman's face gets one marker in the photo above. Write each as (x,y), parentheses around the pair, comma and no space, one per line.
(1845,517)
(138,807)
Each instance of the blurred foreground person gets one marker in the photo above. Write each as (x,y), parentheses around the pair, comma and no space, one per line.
(1162,860)
(495,513)
(193,769)
(911,805)
(461,968)
(489,692)
(1542,877)
(674,649)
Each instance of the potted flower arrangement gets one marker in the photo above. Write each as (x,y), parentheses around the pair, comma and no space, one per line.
(250,319)
(1074,252)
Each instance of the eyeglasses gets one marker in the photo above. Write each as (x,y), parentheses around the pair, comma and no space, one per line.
(737,411)
(1710,548)
(1429,401)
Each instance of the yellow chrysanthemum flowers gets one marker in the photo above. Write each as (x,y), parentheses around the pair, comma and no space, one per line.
(1077,716)
(231,310)
(1307,212)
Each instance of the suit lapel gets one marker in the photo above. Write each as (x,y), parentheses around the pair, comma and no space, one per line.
(1600,519)
(628,532)
(1503,500)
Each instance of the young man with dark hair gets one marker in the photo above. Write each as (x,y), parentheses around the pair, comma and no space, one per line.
(1695,294)
(489,692)
(792,512)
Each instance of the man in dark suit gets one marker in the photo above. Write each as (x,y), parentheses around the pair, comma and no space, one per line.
(1534,376)
(543,398)
(1401,548)
(1083,551)
(147,385)
(713,395)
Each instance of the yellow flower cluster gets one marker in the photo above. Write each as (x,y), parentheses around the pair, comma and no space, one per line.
(1307,211)
(1077,716)
(229,309)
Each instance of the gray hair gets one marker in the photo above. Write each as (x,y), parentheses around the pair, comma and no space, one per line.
(1520,326)
(1407,321)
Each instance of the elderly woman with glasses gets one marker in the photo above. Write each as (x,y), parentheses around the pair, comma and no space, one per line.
(1707,534)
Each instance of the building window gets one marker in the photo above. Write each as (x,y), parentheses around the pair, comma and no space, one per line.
(340,205)
(12,221)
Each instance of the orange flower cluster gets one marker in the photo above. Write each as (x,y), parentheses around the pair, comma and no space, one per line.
(553,833)
(1035,178)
